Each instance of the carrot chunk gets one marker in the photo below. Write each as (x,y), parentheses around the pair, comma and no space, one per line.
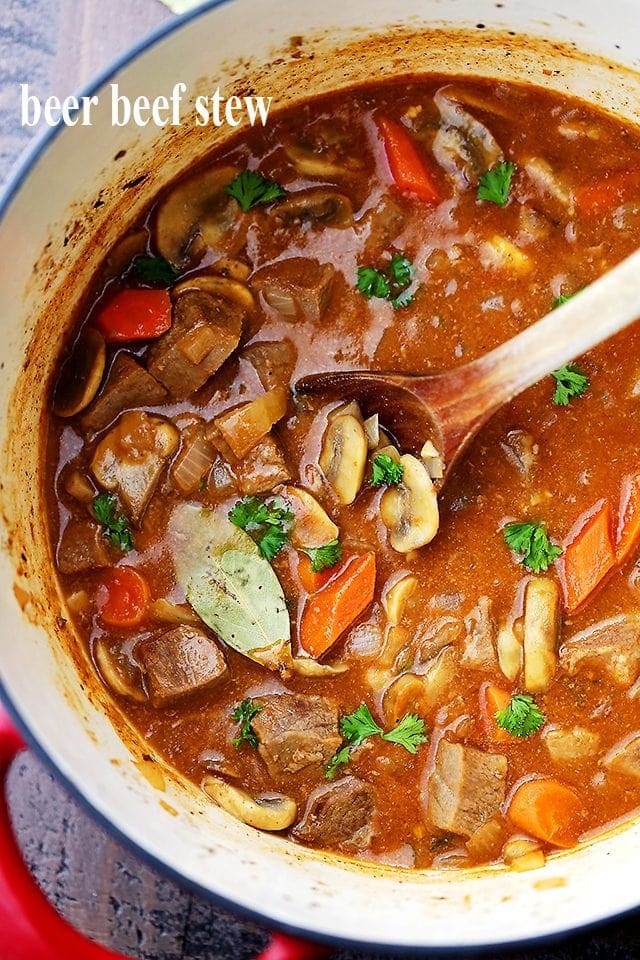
(330,611)
(548,810)
(589,556)
(123,597)
(493,699)
(612,189)
(310,580)
(628,518)
(407,167)
(135,315)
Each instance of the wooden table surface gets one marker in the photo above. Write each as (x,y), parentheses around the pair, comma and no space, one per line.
(55,45)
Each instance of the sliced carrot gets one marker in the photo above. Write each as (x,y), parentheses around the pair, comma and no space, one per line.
(612,189)
(135,315)
(311,580)
(123,597)
(330,611)
(628,518)
(589,555)
(408,168)
(493,699)
(548,810)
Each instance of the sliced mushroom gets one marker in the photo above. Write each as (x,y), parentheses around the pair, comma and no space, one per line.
(432,460)
(324,152)
(421,693)
(509,650)
(313,526)
(550,184)
(275,812)
(312,163)
(217,286)
(194,215)
(372,431)
(541,633)
(396,596)
(409,511)
(233,268)
(463,146)
(81,374)
(127,682)
(343,458)
(318,205)
(122,254)
(306,667)
(565,746)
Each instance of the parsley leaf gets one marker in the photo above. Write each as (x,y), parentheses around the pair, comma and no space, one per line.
(373,283)
(357,726)
(324,557)
(250,188)
(570,382)
(244,714)
(563,298)
(409,733)
(522,717)
(495,184)
(391,283)
(531,540)
(385,470)
(339,759)
(269,522)
(156,271)
(116,525)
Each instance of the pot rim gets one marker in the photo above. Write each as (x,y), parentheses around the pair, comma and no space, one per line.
(18,173)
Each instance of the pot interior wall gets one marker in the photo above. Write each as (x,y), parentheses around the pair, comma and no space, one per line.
(84,187)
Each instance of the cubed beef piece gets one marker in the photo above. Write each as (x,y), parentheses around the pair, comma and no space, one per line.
(339,814)
(296,731)
(273,362)
(262,469)
(128,385)
(178,663)
(479,644)
(82,547)
(205,331)
(466,788)
(297,288)
(611,646)
(131,457)
(625,757)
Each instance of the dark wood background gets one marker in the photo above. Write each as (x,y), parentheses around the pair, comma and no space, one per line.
(55,46)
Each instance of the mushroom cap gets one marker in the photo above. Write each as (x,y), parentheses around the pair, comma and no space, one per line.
(81,374)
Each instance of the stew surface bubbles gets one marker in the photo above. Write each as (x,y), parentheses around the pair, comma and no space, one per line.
(292,609)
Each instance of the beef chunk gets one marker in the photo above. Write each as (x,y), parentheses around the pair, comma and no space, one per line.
(296,731)
(297,288)
(179,662)
(128,385)
(625,757)
(131,457)
(339,814)
(479,645)
(612,646)
(466,788)
(273,362)
(82,547)
(263,468)
(205,331)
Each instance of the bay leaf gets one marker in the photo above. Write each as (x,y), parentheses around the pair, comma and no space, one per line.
(230,585)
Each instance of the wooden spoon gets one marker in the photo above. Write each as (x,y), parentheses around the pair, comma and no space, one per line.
(450,407)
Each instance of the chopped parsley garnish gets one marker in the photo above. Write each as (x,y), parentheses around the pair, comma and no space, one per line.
(116,525)
(495,184)
(244,714)
(391,283)
(357,726)
(250,188)
(522,717)
(570,382)
(531,541)
(562,299)
(384,469)
(409,733)
(156,271)
(268,522)
(324,557)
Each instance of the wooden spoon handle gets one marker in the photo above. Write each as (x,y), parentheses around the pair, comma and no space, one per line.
(602,309)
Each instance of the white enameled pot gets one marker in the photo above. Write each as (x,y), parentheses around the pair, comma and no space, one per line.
(67,202)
